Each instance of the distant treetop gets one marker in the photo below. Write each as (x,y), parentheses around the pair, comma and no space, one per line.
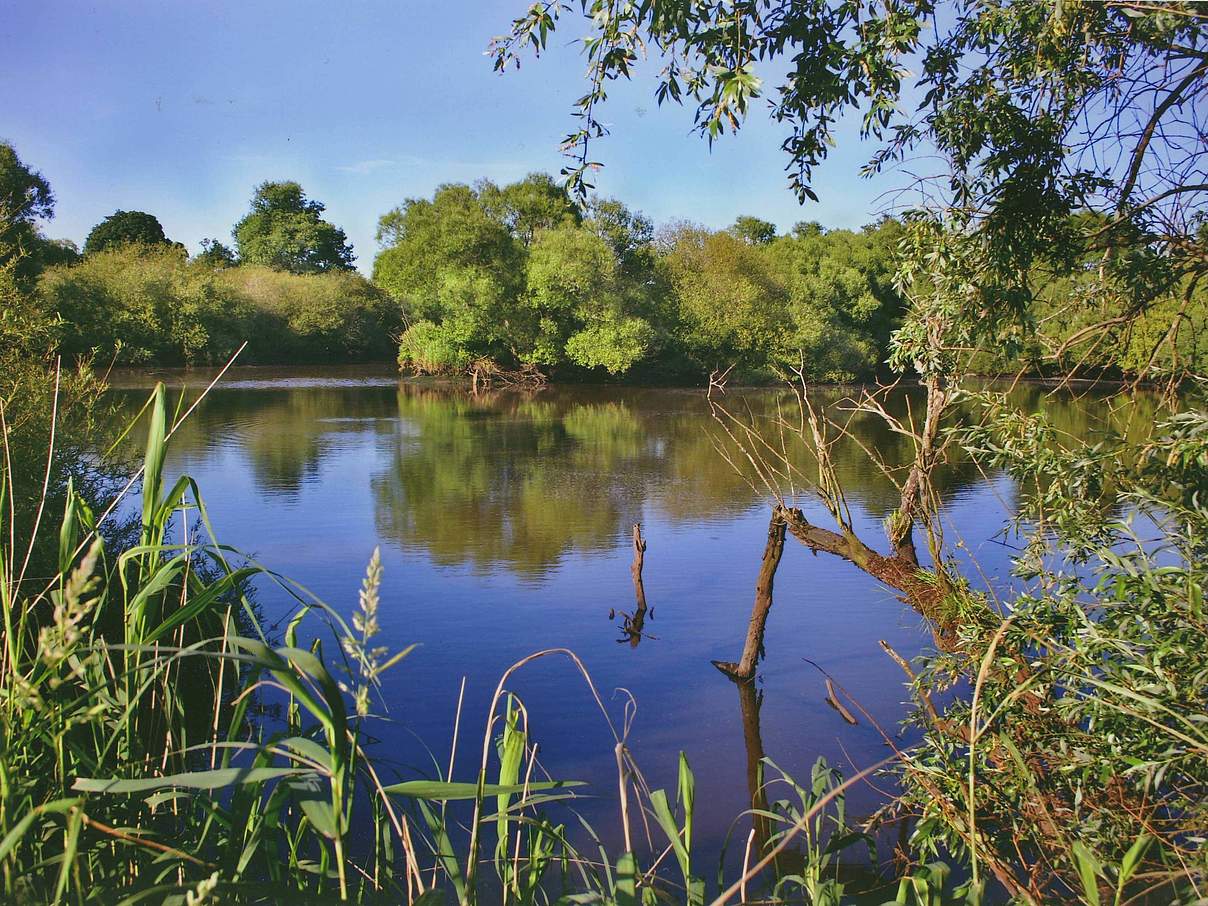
(284,231)
(125,228)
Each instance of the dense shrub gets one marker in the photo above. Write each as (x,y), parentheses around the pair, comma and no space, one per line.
(136,305)
(331,317)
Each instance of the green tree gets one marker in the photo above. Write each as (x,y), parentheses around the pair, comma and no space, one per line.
(454,268)
(125,228)
(216,254)
(730,296)
(574,288)
(512,274)
(535,203)
(284,231)
(754,230)
(25,198)
(629,233)
(841,304)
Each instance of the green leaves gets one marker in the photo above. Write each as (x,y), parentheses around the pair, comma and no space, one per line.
(192,780)
(446,791)
(284,232)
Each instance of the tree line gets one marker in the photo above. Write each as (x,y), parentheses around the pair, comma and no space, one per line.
(519,276)
(522,275)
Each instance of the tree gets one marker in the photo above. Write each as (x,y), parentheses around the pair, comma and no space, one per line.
(629,233)
(284,231)
(512,274)
(753,230)
(730,297)
(535,203)
(216,254)
(574,289)
(25,198)
(125,228)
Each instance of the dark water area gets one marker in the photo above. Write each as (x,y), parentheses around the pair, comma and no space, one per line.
(504,526)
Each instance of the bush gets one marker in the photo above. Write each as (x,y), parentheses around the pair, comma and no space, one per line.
(138,305)
(331,317)
(428,348)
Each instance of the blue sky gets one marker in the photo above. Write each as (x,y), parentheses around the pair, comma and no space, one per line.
(180,109)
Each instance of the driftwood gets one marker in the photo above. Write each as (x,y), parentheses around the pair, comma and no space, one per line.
(485,373)
(752,649)
(639,559)
(633,624)
(832,699)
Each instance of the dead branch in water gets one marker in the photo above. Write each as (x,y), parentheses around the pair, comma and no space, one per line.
(485,373)
(639,559)
(632,625)
(752,649)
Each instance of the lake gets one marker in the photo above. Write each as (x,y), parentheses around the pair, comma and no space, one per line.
(504,523)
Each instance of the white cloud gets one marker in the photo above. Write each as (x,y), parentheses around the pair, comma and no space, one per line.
(364,167)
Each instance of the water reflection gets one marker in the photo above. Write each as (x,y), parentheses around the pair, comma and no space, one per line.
(521,480)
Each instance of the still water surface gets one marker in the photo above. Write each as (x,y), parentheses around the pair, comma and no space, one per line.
(504,527)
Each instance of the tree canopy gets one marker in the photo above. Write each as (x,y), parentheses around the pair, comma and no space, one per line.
(25,199)
(514,274)
(753,230)
(125,228)
(216,254)
(284,231)
(523,276)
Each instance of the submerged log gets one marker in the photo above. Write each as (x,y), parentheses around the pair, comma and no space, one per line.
(639,559)
(632,625)
(752,649)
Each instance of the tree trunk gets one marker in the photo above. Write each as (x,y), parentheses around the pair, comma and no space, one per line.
(639,551)
(752,649)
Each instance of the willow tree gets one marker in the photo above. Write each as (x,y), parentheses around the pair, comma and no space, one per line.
(1068,142)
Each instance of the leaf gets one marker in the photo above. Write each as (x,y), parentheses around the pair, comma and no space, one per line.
(444,791)
(1132,858)
(153,461)
(312,795)
(194,780)
(627,871)
(58,806)
(1089,870)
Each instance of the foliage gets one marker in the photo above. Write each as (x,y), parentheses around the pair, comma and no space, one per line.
(25,198)
(1025,105)
(284,231)
(1062,223)
(514,275)
(1086,740)
(38,400)
(824,300)
(216,254)
(535,203)
(753,230)
(125,228)
(519,276)
(337,316)
(137,306)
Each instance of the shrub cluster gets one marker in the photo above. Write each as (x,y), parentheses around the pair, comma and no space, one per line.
(137,305)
